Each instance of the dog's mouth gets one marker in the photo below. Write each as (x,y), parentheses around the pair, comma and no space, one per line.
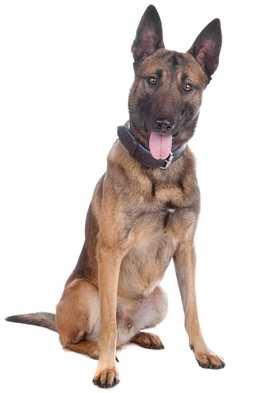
(160,145)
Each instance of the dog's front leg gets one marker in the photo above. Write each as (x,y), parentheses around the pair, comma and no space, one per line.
(109,261)
(185,260)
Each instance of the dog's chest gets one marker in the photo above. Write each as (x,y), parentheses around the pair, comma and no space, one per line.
(154,244)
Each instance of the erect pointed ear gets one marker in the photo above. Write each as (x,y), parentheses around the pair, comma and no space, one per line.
(206,47)
(149,36)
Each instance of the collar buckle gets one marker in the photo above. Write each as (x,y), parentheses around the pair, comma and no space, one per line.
(168,161)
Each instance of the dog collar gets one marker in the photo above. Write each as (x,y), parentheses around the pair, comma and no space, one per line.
(143,155)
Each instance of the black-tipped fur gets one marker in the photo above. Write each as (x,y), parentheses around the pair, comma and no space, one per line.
(149,35)
(207,45)
(43,319)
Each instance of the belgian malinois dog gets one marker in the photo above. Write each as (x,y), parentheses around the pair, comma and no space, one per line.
(143,213)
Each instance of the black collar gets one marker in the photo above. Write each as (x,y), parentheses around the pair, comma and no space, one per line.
(143,155)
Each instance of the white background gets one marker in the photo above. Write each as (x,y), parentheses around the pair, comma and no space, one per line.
(65,73)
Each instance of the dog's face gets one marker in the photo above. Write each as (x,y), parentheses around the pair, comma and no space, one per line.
(165,99)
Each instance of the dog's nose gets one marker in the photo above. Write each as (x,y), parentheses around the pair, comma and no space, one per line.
(165,125)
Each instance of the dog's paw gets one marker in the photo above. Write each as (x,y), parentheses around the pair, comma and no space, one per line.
(106,378)
(148,340)
(210,360)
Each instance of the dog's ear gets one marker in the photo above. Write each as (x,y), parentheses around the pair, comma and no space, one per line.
(149,36)
(206,47)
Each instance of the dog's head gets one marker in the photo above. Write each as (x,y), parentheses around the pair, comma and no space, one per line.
(165,98)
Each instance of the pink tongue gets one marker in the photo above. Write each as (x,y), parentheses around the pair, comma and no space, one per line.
(160,145)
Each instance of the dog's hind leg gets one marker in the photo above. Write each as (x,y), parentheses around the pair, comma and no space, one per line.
(140,315)
(152,311)
(89,348)
(147,340)
(77,318)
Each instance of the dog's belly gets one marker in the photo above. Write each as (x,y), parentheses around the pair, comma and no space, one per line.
(143,267)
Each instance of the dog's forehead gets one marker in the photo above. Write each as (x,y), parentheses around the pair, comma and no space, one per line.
(169,61)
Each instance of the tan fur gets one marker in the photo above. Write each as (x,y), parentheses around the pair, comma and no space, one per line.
(133,250)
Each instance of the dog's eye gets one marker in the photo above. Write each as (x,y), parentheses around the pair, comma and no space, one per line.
(187,86)
(152,80)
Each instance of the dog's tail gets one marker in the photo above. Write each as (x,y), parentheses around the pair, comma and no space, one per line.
(44,319)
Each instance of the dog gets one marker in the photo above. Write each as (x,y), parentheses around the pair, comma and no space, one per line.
(143,213)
